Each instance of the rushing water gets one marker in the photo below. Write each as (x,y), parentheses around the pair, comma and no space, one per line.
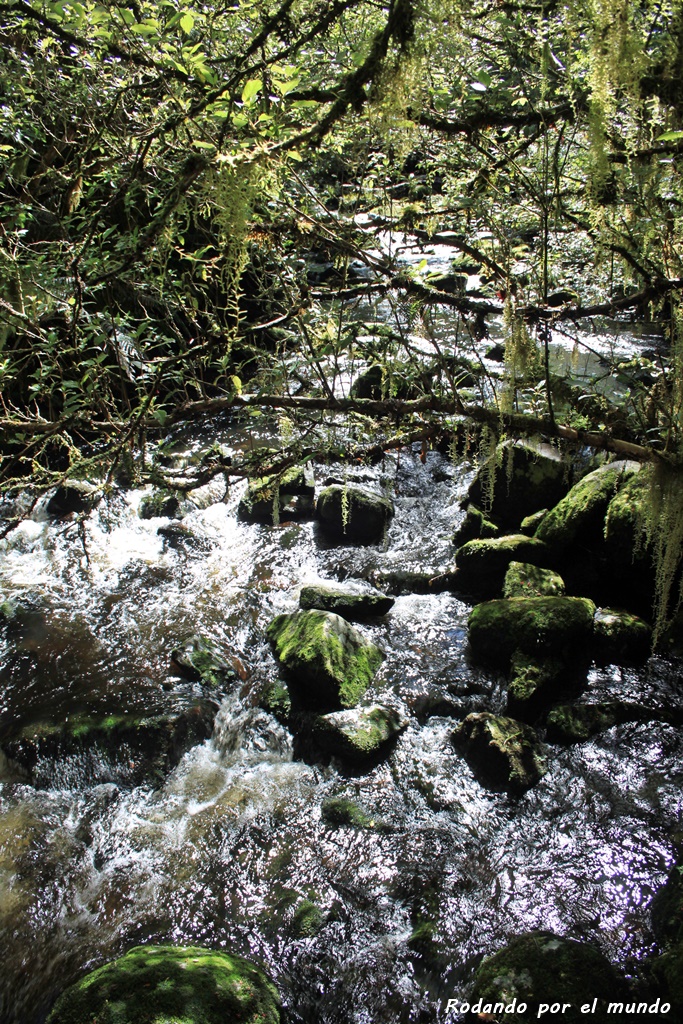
(233,850)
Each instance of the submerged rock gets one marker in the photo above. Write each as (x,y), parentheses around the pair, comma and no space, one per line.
(358,734)
(619,637)
(504,753)
(526,477)
(523,579)
(137,748)
(349,602)
(572,723)
(200,659)
(272,499)
(559,627)
(482,564)
(353,513)
(533,684)
(74,496)
(169,984)
(329,662)
(340,811)
(541,968)
(580,515)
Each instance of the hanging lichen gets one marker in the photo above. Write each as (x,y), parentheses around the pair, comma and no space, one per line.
(522,357)
(490,454)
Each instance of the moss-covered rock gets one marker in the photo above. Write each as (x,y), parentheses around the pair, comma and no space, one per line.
(527,477)
(474,526)
(74,496)
(273,499)
(624,541)
(358,734)
(531,523)
(541,968)
(544,627)
(533,684)
(353,514)
(523,579)
(482,564)
(276,701)
(502,752)
(163,504)
(200,658)
(171,985)
(620,638)
(580,515)
(330,664)
(574,723)
(307,919)
(340,811)
(349,602)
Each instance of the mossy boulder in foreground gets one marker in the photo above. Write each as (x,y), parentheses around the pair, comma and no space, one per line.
(353,514)
(540,626)
(329,662)
(171,985)
(541,968)
(291,496)
(359,734)
(534,683)
(503,753)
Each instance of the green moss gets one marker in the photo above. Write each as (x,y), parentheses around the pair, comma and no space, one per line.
(201,659)
(482,564)
(533,682)
(503,752)
(162,503)
(525,580)
(620,637)
(581,513)
(540,967)
(345,602)
(339,810)
(359,733)
(276,701)
(308,919)
(540,626)
(475,526)
(331,659)
(570,723)
(171,985)
(353,513)
(531,523)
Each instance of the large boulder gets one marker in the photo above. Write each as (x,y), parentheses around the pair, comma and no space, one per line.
(527,477)
(534,683)
(350,601)
(271,499)
(74,496)
(523,579)
(359,734)
(629,558)
(329,663)
(542,969)
(543,627)
(579,517)
(502,752)
(353,514)
(482,564)
(170,985)
(474,525)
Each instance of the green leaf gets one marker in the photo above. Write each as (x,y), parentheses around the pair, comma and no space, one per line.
(670,137)
(251,88)
(187,23)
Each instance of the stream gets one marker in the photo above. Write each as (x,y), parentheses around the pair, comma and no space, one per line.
(233,849)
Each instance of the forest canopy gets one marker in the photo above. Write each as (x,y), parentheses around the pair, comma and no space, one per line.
(193,197)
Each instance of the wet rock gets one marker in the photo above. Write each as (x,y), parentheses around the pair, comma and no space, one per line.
(523,579)
(541,968)
(496,353)
(272,499)
(372,383)
(454,284)
(74,496)
(276,701)
(530,524)
(667,909)
(163,504)
(526,477)
(307,919)
(340,811)
(628,556)
(353,514)
(137,748)
(181,538)
(574,723)
(330,664)
(359,734)
(164,983)
(559,627)
(474,526)
(482,564)
(619,637)
(502,752)
(534,683)
(579,517)
(346,601)
(200,659)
